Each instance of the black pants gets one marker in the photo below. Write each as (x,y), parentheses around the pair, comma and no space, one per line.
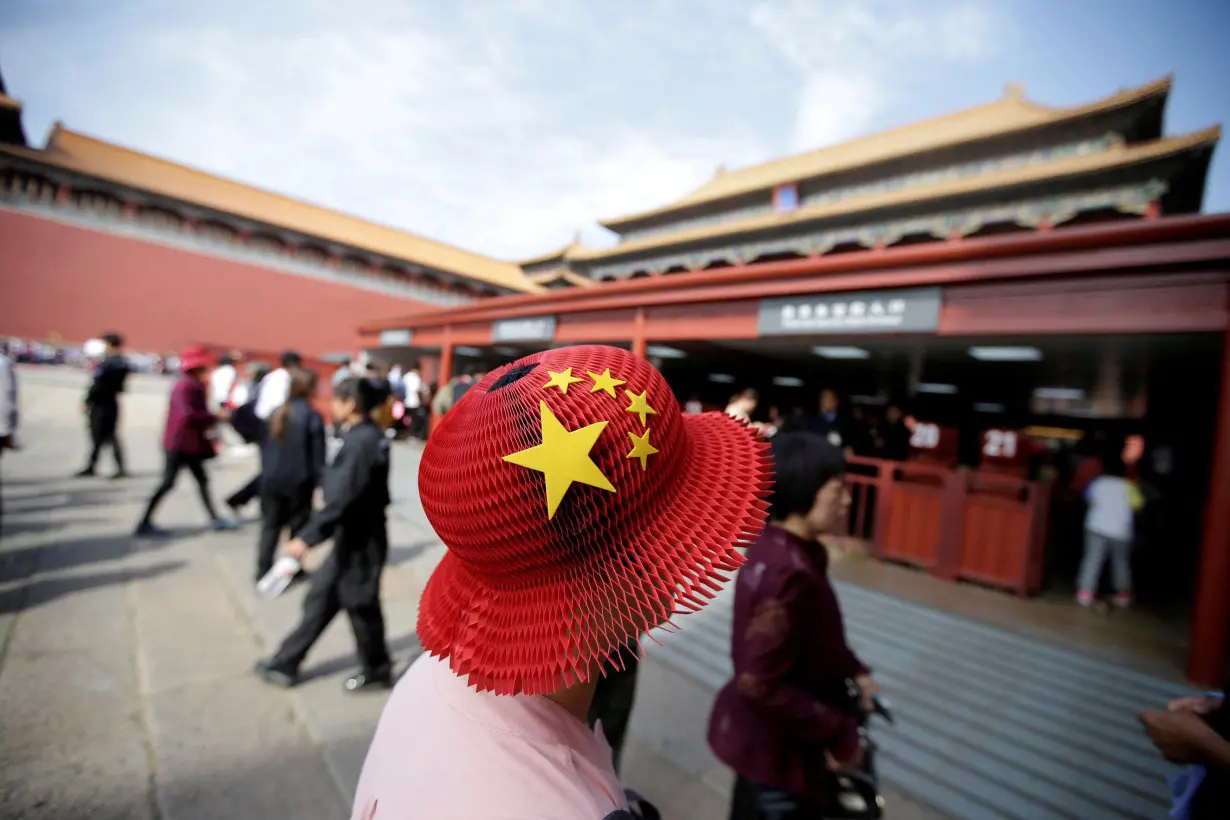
(279,511)
(175,462)
(320,607)
(613,701)
(245,493)
(103,422)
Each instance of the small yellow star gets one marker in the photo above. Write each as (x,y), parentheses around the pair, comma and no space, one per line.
(605,381)
(640,405)
(641,448)
(563,457)
(561,380)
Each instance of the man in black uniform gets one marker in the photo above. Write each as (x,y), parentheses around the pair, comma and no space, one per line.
(102,405)
(356,488)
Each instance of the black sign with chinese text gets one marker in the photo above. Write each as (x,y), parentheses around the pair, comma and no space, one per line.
(887,311)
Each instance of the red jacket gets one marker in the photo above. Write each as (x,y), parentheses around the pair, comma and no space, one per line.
(188,419)
(783,710)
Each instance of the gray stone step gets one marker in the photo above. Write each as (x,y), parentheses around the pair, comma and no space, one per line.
(989,723)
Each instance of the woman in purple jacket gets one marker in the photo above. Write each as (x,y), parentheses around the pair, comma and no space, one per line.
(186,439)
(784,723)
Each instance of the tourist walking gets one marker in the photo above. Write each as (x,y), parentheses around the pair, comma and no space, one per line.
(785,722)
(292,465)
(580,509)
(356,490)
(268,395)
(186,439)
(102,405)
(1110,530)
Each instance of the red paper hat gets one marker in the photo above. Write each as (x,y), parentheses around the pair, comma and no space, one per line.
(193,357)
(580,509)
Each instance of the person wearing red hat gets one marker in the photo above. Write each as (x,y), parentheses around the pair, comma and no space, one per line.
(186,440)
(580,509)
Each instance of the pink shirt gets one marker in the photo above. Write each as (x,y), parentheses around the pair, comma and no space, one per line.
(445,750)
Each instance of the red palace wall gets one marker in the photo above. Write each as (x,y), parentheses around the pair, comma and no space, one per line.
(62,281)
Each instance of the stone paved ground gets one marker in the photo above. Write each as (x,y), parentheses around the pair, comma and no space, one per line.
(125,689)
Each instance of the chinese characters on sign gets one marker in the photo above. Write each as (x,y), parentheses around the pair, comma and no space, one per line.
(395,338)
(898,311)
(529,329)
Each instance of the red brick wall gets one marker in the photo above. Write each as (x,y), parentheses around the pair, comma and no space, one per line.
(77,283)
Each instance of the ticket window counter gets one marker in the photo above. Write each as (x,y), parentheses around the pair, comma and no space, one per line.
(986,525)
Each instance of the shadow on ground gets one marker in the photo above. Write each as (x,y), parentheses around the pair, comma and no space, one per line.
(45,590)
(400,554)
(22,563)
(405,650)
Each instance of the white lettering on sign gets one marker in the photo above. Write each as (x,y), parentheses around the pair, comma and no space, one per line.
(925,437)
(532,329)
(834,315)
(999,444)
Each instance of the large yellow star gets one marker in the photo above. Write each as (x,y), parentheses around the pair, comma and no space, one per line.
(640,405)
(563,458)
(561,379)
(641,448)
(605,381)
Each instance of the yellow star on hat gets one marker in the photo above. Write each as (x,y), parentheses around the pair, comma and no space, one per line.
(561,379)
(563,458)
(640,405)
(605,381)
(641,448)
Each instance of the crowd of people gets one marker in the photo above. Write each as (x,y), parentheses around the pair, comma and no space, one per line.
(576,521)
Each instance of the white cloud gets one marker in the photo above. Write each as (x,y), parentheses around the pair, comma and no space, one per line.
(502,126)
(845,53)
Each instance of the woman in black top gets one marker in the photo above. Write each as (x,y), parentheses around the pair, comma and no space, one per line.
(292,462)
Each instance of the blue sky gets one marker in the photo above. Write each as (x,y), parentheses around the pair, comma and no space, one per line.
(505,126)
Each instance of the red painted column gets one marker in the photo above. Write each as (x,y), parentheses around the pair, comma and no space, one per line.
(640,345)
(1211,610)
(446,372)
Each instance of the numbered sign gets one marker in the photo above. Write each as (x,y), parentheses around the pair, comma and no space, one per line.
(1006,450)
(933,442)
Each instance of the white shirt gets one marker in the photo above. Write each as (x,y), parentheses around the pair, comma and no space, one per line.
(413,385)
(1113,503)
(220,383)
(274,389)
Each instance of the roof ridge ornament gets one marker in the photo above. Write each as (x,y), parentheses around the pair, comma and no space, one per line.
(1014,91)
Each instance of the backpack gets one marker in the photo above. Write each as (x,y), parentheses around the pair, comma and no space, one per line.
(245,421)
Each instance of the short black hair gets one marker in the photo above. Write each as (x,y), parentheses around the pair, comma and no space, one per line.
(113,339)
(291,359)
(368,394)
(225,360)
(802,464)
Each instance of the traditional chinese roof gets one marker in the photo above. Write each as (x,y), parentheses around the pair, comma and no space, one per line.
(1011,113)
(11,129)
(1118,156)
(82,154)
(557,254)
(563,274)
